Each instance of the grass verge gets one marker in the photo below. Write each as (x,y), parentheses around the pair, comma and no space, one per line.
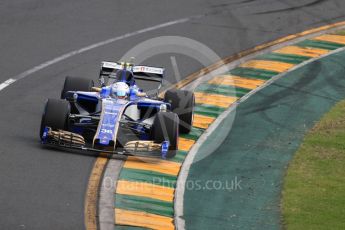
(314,187)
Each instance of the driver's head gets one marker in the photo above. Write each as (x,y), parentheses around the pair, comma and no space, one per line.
(120,90)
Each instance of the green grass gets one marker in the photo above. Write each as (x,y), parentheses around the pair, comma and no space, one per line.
(314,187)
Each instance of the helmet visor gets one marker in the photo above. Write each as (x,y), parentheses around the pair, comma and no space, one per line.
(121,93)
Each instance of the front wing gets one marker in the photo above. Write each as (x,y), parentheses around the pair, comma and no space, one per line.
(68,140)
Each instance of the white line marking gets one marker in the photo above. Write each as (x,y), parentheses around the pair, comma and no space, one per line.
(175,68)
(93,46)
(7,83)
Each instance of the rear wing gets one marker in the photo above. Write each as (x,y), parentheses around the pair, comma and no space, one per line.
(108,70)
(146,73)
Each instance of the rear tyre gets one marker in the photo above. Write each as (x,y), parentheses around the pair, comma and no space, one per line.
(166,128)
(182,103)
(76,84)
(55,115)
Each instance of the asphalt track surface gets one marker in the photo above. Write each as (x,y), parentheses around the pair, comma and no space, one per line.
(44,189)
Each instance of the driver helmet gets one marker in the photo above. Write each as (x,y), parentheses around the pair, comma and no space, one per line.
(120,90)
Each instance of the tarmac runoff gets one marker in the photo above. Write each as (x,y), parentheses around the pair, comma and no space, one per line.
(151,204)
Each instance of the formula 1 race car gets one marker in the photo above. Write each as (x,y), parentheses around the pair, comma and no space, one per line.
(118,117)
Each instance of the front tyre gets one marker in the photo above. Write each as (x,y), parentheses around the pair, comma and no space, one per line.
(182,103)
(76,84)
(55,115)
(166,128)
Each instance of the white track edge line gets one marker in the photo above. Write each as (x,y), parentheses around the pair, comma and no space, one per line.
(90,47)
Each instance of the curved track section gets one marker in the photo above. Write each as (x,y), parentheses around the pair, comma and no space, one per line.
(45,189)
(145,195)
(268,130)
(262,141)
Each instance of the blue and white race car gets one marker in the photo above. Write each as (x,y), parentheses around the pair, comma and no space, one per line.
(118,117)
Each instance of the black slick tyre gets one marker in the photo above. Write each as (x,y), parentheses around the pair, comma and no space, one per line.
(55,115)
(76,84)
(182,103)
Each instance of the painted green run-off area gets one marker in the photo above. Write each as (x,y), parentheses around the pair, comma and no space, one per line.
(208,110)
(222,90)
(143,204)
(194,134)
(267,131)
(253,73)
(320,44)
(287,58)
(146,176)
(180,156)
(314,188)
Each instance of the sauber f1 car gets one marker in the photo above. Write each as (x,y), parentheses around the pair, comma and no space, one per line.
(118,117)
